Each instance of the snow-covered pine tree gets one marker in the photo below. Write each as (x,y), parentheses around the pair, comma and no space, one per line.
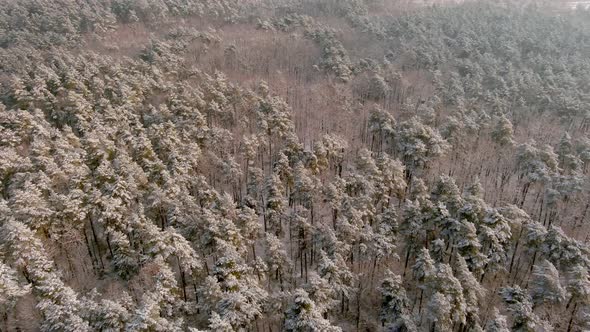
(303,315)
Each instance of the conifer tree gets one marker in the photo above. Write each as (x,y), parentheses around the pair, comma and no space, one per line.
(473,293)
(503,132)
(520,306)
(10,288)
(302,315)
(232,291)
(497,323)
(395,306)
(545,285)
(275,205)
(58,303)
(277,259)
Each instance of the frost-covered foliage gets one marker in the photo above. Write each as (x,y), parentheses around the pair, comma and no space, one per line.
(223,165)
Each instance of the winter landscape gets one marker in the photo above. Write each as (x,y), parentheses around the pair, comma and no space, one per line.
(294,165)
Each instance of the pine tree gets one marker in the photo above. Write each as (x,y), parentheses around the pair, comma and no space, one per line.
(503,132)
(232,291)
(321,292)
(424,265)
(218,324)
(578,286)
(418,144)
(442,281)
(382,126)
(497,323)
(520,306)
(158,309)
(10,288)
(277,259)
(58,303)
(330,152)
(545,285)
(125,259)
(473,292)
(447,192)
(468,246)
(249,225)
(395,307)
(275,205)
(107,315)
(536,165)
(422,270)
(30,206)
(334,269)
(437,250)
(495,234)
(391,183)
(474,207)
(303,186)
(412,228)
(438,311)
(303,315)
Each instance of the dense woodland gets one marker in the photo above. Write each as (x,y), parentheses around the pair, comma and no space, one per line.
(294,165)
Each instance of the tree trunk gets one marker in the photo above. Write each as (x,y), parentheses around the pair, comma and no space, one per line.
(182,279)
(515,250)
(90,254)
(569,325)
(96,242)
(420,301)
(407,260)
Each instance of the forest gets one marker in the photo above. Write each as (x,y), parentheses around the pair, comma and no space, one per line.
(294,165)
